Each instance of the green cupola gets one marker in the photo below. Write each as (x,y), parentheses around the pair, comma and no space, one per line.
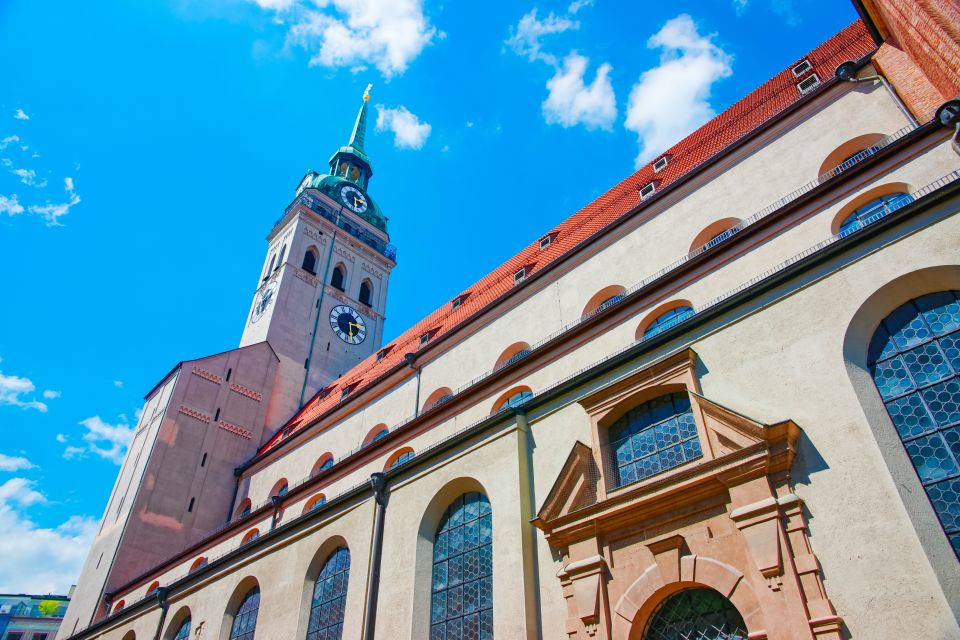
(351,161)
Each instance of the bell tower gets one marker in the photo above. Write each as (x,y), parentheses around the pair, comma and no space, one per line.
(321,297)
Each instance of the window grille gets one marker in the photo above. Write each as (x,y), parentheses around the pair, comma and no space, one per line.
(654,437)
(245,622)
(462,591)
(330,597)
(546,241)
(808,84)
(519,275)
(696,614)
(661,164)
(802,68)
(914,358)
(647,191)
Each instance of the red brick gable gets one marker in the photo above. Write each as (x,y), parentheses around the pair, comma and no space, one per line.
(734,124)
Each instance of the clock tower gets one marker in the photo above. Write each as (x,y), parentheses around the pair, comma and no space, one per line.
(320,299)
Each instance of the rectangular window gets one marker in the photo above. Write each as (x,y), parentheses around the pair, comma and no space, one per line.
(15,635)
(546,241)
(661,164)
(802,68)
(808,84)
(425,338)
(39,636)
(520,275)
(647,191)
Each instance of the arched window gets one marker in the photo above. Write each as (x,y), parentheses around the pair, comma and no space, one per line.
(437,398)
(245,622)
(653,437)
(512,398)
(120,605)
(315,502)
(323,463)
(310,261)
(513,353)
(914,358)
(183,631)
(273,261)
(250,536)
(280,489)
(715,233)
(462,593)
(366,293)
(874,210)
(153,587)
(244,509)
(326,464)
(338,277)
(401,456)
(198,564)
(329,597)
(698,613)
(283,252)
(667,320)
(606,297)
(380,435)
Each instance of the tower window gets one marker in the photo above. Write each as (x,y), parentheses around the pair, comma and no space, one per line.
(354,175)
(366,293)
(273,261)
(342,169)
(216,416)
(229,371)
(339,275)
(190,508)
(310,261)
(203,461)
(283,252)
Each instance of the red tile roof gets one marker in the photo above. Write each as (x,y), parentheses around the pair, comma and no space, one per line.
(769,100)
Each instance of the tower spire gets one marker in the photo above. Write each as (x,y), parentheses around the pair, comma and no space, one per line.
(360,126)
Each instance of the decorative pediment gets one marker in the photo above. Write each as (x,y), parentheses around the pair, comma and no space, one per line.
(727,430)
(575,487)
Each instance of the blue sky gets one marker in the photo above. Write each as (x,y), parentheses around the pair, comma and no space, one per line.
(147,147)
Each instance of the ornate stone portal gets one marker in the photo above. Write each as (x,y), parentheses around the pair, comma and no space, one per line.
(728,521)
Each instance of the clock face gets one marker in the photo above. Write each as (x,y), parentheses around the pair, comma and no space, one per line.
(348,324)
(263,301)
(354,200)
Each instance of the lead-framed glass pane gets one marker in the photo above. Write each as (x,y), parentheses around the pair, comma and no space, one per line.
(245,622)
(330,597)
(915,363)
(183,631)
(461,604)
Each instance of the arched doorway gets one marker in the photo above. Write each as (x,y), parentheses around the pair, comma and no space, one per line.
(697,613)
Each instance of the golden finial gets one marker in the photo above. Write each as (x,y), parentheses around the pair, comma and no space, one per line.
(366,92)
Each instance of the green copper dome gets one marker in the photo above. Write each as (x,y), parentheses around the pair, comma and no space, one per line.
(332,186)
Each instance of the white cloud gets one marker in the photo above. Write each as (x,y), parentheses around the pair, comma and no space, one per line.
(387,34)
(14,463)
(20,115)
(408,131)
(118,384)
(61,438)
(7,141)
(36,559)
(739,6)
(106,440)
(53,212)
(526,38)
(570,101)
(15,390)
(671,100)
(74,453)
(50,394)
(576,5)
(29,178)
(10,206)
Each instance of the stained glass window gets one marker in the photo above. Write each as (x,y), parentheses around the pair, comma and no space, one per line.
(330,597)
(653,437)
(667,320)
(245,622)
(873,210)
(696,614)
(915,361)
(403,457)
(462,592)
(183,631)
(326,464)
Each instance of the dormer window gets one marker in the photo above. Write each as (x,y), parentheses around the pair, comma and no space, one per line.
(808,84)
(803,67)
(661,164)
(383,352)
(459,300)
(520,276)
(347,390)
(425,338)
(547,240)
(647,191)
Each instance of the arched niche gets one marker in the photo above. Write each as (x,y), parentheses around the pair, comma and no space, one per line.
(712,230)
(849,148)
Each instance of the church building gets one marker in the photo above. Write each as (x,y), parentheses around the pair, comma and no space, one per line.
(720,402)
